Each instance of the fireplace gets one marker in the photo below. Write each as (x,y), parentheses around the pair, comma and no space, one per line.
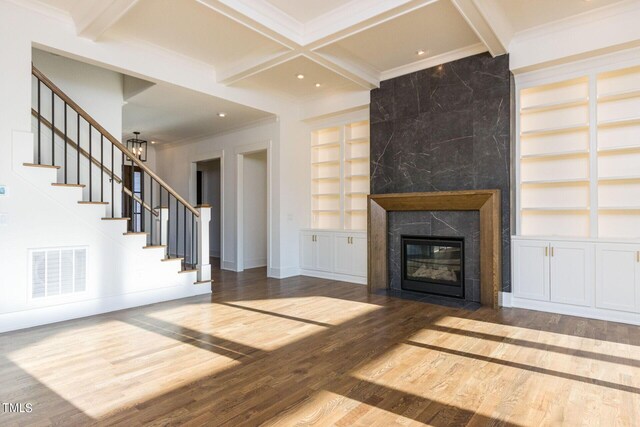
(433,265)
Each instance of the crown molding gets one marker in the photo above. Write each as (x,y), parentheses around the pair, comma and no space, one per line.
(593,33)
(432,61)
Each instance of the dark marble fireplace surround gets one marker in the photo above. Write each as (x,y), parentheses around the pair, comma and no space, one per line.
(440,129)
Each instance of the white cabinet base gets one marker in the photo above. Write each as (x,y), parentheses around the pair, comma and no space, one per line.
(574,310)
(334,276)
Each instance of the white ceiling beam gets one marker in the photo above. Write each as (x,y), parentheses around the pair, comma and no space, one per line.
(235,74)
(277,29)
(474,16)
(357,73)
(93,18)
(355,17)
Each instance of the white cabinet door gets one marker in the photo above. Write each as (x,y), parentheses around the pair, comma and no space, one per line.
(617,277)
(343,254)
(307,251)
(359,244)
(572,273)
(531,269)
(324,251)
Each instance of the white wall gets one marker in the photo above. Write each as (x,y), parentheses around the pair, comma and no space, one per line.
(211,195)
(254,207)
(176,164)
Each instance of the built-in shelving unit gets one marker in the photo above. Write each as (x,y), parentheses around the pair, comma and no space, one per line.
(618,157)
(579,156)
(554,158)
(340,177)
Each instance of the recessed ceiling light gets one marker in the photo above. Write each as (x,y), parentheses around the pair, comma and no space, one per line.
(153,142)
(300,76)
(420,52)
(318,85)
(222,114)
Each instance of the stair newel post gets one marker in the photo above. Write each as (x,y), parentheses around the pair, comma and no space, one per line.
(164,227)
(90,168)
(65,143)
(202,247)
(153,209)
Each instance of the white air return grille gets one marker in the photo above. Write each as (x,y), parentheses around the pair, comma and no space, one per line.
(58,271)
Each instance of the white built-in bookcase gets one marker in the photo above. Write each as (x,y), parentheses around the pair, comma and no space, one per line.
(340,177)
(578,156)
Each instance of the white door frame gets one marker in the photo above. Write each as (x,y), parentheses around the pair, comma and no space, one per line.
(193,190)
(240,153)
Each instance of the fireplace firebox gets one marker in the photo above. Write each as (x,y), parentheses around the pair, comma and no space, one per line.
(433,265)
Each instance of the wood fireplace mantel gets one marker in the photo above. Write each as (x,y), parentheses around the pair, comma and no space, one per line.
(487,202)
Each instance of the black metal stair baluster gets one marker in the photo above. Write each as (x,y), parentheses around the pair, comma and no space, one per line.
(193,220)
(53,128)
(133,200)
(122,202)
(90,168)
(151,222)
(39,125)
(184,235)
(65,142)
(78,150)
(177,226)
(113,168)
(160,204)
(101,168)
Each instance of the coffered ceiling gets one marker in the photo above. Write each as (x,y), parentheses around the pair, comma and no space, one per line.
(345,45)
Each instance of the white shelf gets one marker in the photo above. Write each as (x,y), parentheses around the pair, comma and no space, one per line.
(326,178)
(555,105)
(616,96)
(355,210)
(619,149)
(556,181)
(619,178)
(558,129)
(326,195)
(357,159)
(357,176)
(572,153)
(620,122)
(557,209)
(363,140)
(326,162)
(357,193)
(326,210)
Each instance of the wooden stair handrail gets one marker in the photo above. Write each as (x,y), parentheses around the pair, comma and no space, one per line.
(110,137)
(73,144)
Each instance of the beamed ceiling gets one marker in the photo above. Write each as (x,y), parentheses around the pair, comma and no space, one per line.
(338,45)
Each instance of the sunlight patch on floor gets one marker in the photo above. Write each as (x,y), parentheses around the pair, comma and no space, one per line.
(121,376)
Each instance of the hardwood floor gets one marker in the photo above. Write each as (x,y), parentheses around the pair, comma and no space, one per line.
(305,351)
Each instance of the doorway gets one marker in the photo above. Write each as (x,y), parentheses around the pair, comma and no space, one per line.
(253,210)
(133,183)
(209,192)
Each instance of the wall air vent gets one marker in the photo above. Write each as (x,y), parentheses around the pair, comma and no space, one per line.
(57,271)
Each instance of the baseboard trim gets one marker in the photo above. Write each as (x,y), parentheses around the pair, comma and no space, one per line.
(283,273)
(228,265)
(504,299)
(59,313)
(334,276)
(255,263)
(574,310)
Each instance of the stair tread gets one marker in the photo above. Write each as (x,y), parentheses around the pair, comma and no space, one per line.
(116,219)
(200,282)
(154,246)
(134,233)
(35,165)
(172,259)
(187,271)
(82,202)
(56,184)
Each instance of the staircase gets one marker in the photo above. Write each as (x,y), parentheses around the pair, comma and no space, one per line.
(86,164)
